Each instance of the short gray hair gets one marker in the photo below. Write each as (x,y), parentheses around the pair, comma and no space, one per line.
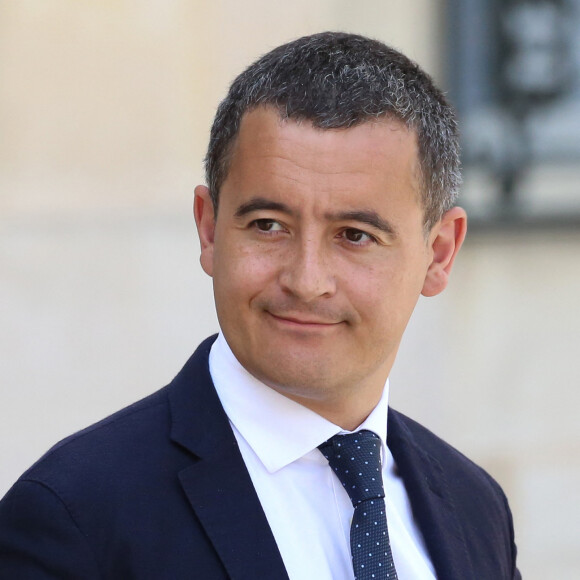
(337,80)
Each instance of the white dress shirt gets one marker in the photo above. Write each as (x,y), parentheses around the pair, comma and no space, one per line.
(306,506)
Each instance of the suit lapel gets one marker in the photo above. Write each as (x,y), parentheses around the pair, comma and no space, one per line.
(431,502)
(218,485)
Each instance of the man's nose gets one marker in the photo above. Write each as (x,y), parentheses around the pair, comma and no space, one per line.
(308,273)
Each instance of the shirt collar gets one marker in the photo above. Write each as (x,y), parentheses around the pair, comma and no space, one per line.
(278,429)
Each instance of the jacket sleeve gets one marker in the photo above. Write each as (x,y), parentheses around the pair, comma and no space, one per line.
(39,538)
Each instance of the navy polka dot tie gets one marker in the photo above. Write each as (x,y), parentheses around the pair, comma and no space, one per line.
(356,460)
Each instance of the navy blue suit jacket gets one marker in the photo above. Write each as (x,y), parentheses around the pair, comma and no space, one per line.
(160,491)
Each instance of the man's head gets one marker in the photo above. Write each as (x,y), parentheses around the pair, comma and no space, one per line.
(320,249)
(336,81)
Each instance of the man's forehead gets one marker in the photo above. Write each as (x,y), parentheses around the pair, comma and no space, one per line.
(265,124)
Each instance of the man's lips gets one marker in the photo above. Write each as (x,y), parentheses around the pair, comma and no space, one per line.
(303,320)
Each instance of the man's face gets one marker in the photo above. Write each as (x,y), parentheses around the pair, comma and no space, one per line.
(318,254)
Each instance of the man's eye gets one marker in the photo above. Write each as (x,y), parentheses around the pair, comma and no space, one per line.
(267,225)
(357,236)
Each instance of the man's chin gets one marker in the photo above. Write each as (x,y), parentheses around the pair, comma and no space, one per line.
(303,376)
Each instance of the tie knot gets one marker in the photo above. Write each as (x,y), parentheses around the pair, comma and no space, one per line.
(356,460)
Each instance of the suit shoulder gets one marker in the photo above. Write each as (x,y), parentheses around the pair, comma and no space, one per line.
(135,442)
(451,460)
(105,445)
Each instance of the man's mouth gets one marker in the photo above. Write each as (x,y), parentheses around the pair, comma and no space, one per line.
(301,320)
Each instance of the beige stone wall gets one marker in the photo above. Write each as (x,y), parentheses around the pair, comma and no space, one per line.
(105,109)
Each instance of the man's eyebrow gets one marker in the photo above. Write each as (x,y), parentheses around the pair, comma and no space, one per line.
(261,203)
(369,217)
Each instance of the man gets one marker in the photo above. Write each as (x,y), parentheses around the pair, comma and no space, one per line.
(332,172)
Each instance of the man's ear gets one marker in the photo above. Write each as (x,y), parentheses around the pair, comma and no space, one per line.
(445,239)
(204,214)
